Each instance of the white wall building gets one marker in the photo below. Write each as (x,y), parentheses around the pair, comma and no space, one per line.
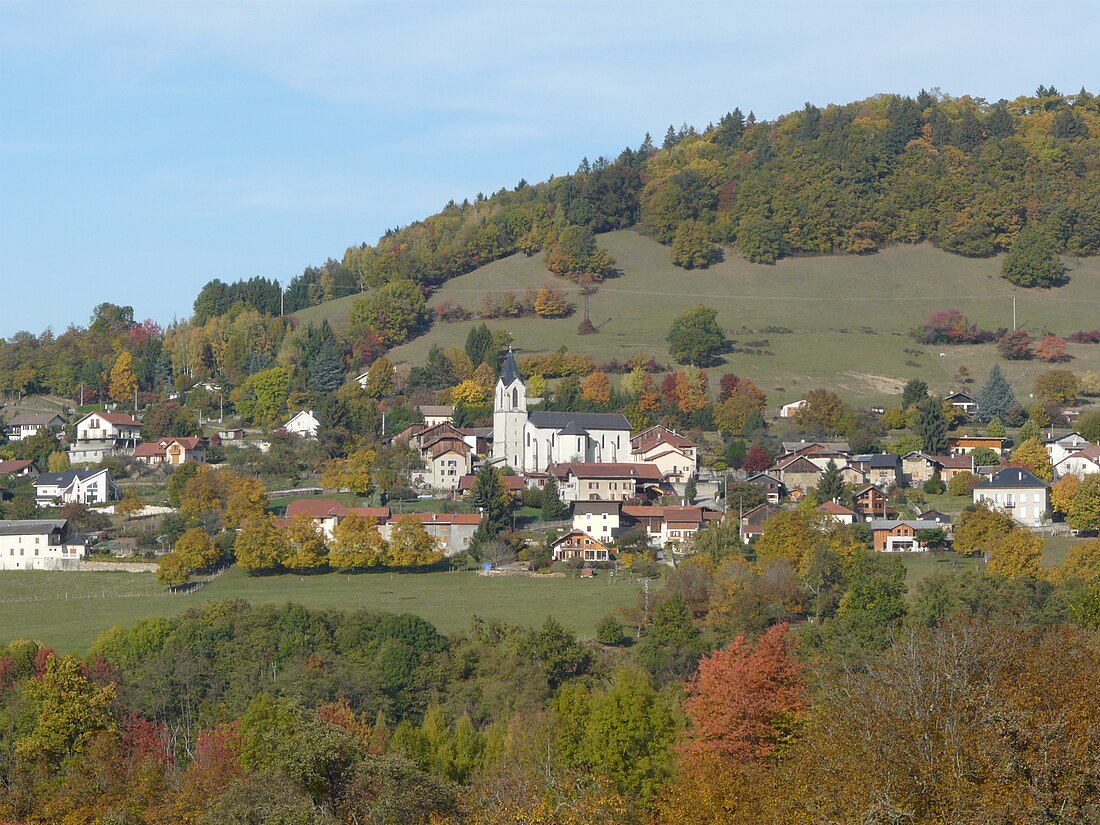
(25,425)
(1018,493)
(75,487)
(37,544)
(303,424)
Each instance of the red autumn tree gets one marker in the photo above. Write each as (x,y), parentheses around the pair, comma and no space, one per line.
(1051,349)
(756,459)
(741,697)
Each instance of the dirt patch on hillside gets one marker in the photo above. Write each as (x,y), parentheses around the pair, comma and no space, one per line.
(883,384)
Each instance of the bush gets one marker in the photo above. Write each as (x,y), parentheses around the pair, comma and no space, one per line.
(962,484)
(609,631)
(934,486)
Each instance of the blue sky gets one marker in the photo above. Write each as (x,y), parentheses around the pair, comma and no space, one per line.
(146,148)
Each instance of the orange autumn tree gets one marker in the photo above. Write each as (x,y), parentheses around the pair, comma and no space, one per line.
(744,699)
(597,388)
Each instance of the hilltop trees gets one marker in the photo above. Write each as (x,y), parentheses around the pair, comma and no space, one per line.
(1033,260)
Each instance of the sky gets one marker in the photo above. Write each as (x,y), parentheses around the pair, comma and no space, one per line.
(146,148)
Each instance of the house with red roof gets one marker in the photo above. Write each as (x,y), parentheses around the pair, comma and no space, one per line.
(838,512)
(676,456)
(611,481)
(18,468)
(172,452)
(102,434)
(328,512)
(579,544)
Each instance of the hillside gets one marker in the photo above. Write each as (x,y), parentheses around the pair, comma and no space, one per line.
(849,316)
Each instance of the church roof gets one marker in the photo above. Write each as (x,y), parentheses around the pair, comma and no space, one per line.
(572,428)
(589,421)
(509,372)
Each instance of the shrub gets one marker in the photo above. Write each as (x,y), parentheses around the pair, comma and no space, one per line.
(609,631)
(934,486)
(962,484)
(1015,345)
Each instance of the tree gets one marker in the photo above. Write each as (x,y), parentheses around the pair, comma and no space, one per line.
(326,370)
(246,497)
(980,530)
(68,708)
(1016,555)
(609,631)
(692,247)
(962,484)
(1033,260)
(745,699)
(58,462)
(1062,492)
(123,379)
(757,459)
(597,389)
(196,550)
(932,426)
(356,544)
(411,546)
(393,312)
(379,381)
(552,303)
(490,497)
(1052,348)
(1082,562)
(822,411)
(1015,345)
(690,491)
(914,392)
(1084,512)
(259,545)
(1089,425)
(995,399)
(695,337)
(1033,457)
(305,545)
(830,487)
(351,473)
(479,345)
(130,505)
(553,508)
(691,390)
(1057,386)
(575,255)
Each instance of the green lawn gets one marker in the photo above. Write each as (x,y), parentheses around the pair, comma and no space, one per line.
(849,315)
(71,609)
(919,566)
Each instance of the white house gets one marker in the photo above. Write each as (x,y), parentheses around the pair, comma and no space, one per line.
(601,520)
(75,486)
(676,456)
(437,414)
(532,441)
(1018,493)
(25,425)
(37,544)
(172,451)
(962,401)
(101,434)
(1082,463)
(303,424)
(1063,446)
(591,481)
(789,410)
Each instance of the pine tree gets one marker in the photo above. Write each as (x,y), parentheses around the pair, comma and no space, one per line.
(479,345)
(915,391)
(995,399)
(670,138)
(830,487)
(690,491)
(932,426)
(489,496)
(553,508)
(326,371)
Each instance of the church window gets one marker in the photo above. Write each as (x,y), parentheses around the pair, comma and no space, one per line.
(515,396)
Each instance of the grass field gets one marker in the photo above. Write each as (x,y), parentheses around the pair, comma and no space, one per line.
(69,610)
(850,315)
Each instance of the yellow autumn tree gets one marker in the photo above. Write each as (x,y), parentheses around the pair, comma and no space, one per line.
(1016,556)
(305,545)
(411,546)
(123,379)
(246,497)
(1062,492)
(356,544)
(1082,562)
(552,303)
(351,473)
(471,393)
(1033,457)
(691,389)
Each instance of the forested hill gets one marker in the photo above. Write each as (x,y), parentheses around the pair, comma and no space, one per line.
(961,172)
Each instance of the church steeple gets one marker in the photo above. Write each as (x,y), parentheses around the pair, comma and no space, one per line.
(509,373)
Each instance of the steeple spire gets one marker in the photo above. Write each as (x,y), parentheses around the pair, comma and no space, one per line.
(509,372)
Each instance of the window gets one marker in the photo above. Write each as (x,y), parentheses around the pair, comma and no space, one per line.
(515,397)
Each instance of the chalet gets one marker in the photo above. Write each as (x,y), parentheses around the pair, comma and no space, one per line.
(1063,446)
(602,520)
(236,434)
(752,522)
(962,444)
(794,448)
(18,468)
(75,486)
(102,434)
(884,470)
(664,524)
(773,487)
(1017,492)
(436,414)
(838,512)
(588,481)
(676,456)
(25,425)
(941,519)
(172,452)
(796,473)
(892,536)
(1082,463)
(918,467)
(963,401)
(790,410)
(576,544)
(871,503)
(303,424)
(447,457)
(38,544)
(453,531)
(327,512)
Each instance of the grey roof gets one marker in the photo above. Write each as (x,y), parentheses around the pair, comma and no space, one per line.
(30,527)
(63,479)
(827,446)
(572,428)
(590,421)
(916,524)
(597,507)
(509,372)
(436,409)
(884,460)
(1011,477)
(30,419)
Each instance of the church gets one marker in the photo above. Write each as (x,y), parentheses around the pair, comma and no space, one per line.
(529,442)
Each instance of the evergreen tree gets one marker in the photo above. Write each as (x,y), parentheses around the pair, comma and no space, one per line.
(553,508)
(690,491)
(479,345)
(326,371)
(903,123)
(670,138)
(489,496)
(999,122)
(932,427)
(830,487)
(915,392)
(647,147)
(1033,260)
(995,399)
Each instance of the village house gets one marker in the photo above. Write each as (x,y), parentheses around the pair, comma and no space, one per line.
(838,512)
(962,444)
(1061,447)
(102,434)
(513,485)
(447,455)
(791,409)
(676,456)
(942,519)
(327,513)
(233,434)
(884,470)
(664,524)
(602,520)
(172,452)
(1017,492)
(798,473)
(75,487)
(773,487)
(578,544)
(892,536)
(38,544)
(962,401)
(590,481)
(303,424)
(452,531)
(752,522)
(871,503)
(18,468)
(434,414)
(24,425)
(796,448)
(1082,463)
(918,468)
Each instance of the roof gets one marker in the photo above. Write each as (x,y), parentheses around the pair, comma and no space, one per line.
(30,527)
(824,446)
(954,462)
(959,438)
(1074,436)
(66,478)
(578,534)
(148,449)
(15,465)
(438,518)
(509,373)
(591,469)
(958,395)
(573,428)
(328,507)
(659,435)
(916,524)
(936,516)
(759,478)
(590,421)
(884,461)
(1092,453)
(684,515)
(119,419)
(835,509)
(32,419)
(1011,477)
(513,484)
(436,409)
(596,507)
(807,465)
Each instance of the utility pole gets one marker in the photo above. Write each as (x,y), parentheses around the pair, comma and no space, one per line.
(1014,327)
